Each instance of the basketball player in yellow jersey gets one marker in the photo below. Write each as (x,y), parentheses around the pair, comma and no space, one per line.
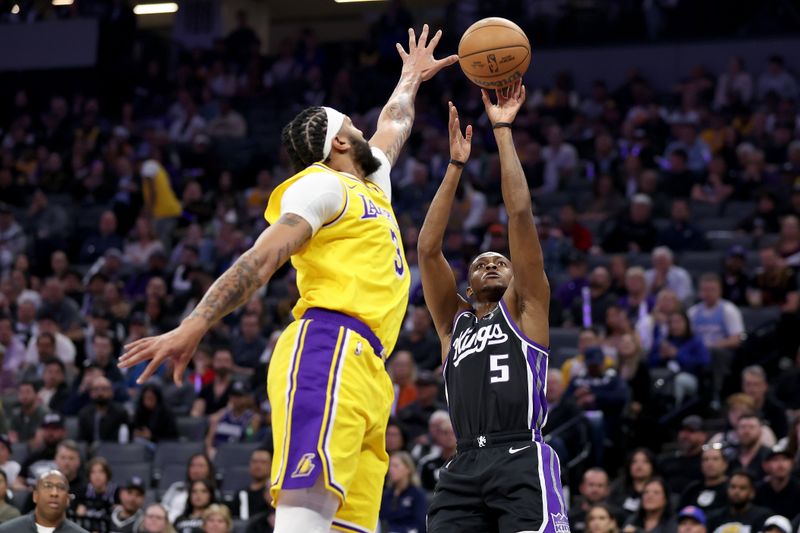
(328,388)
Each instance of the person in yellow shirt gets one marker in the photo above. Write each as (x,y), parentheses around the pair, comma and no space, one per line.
(328,387)
(160,202)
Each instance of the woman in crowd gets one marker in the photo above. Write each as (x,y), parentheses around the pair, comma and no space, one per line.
(655,512)
(683,354)
(176,496)
(217,519)
(155,520)
(201,496)
(395,436)
(95,504)
(404,505)
(600,520)
(142,244)
(634,371)
(626,491)
(7,511)
(153,420)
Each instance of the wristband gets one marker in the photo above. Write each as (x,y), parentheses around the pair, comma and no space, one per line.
(457,163)
(501,125)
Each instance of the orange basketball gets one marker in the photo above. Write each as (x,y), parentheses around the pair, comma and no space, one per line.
(494,53)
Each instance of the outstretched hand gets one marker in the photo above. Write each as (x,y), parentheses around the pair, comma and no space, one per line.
(509,102)
(419,58)
(178,345)
(460,145)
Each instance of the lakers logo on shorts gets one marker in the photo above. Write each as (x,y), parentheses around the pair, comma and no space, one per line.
(305,465)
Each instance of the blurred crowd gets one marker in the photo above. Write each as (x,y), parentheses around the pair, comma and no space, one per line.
(668,217)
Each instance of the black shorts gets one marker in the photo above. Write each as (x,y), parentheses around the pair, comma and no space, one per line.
(500,488)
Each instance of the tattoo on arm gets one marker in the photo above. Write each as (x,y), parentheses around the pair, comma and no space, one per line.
(246,275)
(400,110)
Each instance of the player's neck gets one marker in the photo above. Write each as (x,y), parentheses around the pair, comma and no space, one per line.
(484,308)
(341,163)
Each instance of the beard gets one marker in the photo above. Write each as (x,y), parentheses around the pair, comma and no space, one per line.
(362,154)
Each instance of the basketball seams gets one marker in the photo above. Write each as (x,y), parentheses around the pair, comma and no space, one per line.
(497,74)
(507,26)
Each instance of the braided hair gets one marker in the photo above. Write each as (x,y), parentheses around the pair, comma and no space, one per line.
(304,137)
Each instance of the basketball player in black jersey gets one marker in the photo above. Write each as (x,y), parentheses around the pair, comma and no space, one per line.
(503,478)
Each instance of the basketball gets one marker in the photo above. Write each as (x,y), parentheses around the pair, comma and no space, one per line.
(494,53)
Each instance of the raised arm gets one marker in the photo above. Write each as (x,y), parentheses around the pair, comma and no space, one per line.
(397,116)
(252,270)
(529,293)
(438,282)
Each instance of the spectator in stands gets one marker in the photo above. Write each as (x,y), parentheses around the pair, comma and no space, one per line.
(576,233)
(591,306)
(264,521)
(68,462)
(142,244)
(740,514)
(51,497)
(201,497)
(175,498)
(711,492)
(735,280)
(421,340)
(7,511)
(63,347)
(397,437)
(716,321)
(94,505)
(683,354)
(767,407)
(616,325)
(750,453)
(42,455)
(155,520)
(789,242)
(780,491)
(250,502)
(684,465)
(655,512)
(560,160)
(54,391)
(11,344)
(776,79)
(594,490)
(214,396)
(228,124)
(606,202)
(765,219)
(600,519)
(104,357)
(677,179)
(12,238)
(780,524)
(238,422)
(633,370)
(691,519)
(637,302)
(665,274)
(443,447)
(130,512)
(785,390)
(734,87)
(249,345)
(633,231)
(626,491)
(404,505)
(657,322)
(681,235)
(217,519)
(415,415)
(563,418)
(106,238)
(26,418)
(63,310)
(571,289)
(8,466)
(153,421)
(576,366)
(103,419)
(403,372)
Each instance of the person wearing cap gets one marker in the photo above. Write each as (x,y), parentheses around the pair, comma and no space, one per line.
(52,498)
(633,231)
(236,423)
(691,519)
(599,388)
(779,524)
(52,433)
(340,177)
(128,515)
(781,490)
(740,515)
(160,202)
(684,465)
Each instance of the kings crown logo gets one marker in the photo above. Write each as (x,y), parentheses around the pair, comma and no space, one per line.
(560,522)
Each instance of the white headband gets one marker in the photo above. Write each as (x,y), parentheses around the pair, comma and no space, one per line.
(335,121)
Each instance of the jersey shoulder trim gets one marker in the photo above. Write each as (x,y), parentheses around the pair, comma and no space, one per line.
(518,332)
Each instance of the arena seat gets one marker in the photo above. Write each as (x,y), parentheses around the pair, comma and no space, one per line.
(122,453)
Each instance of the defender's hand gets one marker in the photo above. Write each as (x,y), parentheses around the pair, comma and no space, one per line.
(419,58)
(509,101)
(460,145)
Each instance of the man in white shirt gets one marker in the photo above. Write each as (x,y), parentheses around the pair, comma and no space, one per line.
(716,321)
(665,274)
(560,160)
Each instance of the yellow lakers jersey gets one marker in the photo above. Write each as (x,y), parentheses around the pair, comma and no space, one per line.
(355,263)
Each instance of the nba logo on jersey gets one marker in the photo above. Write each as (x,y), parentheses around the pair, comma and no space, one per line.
(560,523)
(305,466)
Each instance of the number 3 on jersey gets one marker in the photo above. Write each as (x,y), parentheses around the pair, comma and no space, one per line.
(399,267)
(496,366)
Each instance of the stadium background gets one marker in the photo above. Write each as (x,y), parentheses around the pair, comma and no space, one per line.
(137,153)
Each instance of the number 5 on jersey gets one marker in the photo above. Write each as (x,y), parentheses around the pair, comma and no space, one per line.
(495,365)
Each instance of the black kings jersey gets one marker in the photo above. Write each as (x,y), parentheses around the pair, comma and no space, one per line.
(494,376)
